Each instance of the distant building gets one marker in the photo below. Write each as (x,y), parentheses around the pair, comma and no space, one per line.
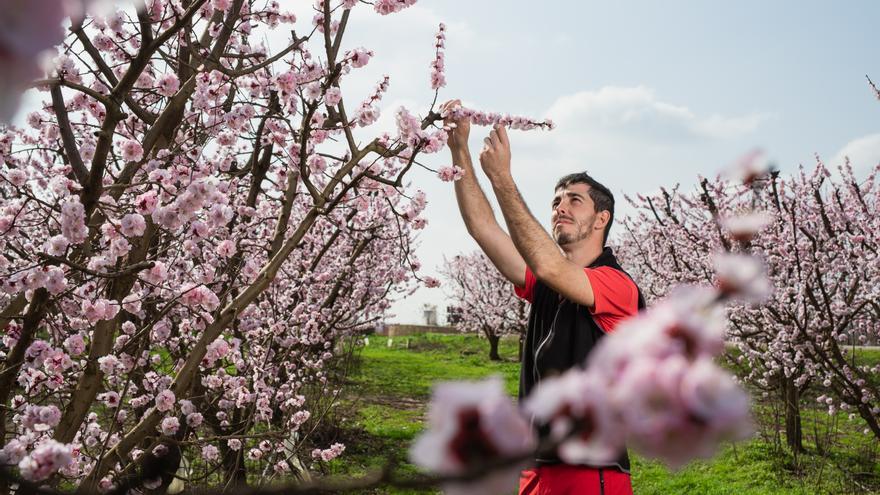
(430,312)
(453,315)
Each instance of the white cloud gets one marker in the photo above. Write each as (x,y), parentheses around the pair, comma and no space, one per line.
(636,111)
(863,153)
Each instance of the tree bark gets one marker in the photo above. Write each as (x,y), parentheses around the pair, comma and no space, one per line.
(791,400)
(493,347)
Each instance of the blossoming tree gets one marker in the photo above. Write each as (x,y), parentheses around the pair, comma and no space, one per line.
(189,225)
(819,237)
(484,300)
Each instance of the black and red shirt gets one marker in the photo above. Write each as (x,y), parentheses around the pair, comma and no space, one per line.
(561,334)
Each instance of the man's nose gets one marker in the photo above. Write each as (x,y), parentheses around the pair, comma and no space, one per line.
(561,210)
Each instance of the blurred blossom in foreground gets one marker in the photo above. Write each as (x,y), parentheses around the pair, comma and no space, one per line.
(654,385)
(27,29)
(472,424)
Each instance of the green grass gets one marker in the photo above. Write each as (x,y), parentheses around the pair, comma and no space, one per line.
(385,404)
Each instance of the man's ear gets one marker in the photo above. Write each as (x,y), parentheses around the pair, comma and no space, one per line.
(602,219)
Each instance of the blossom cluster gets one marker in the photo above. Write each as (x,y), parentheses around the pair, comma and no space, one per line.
(438,65)
(480,117)
(816,234)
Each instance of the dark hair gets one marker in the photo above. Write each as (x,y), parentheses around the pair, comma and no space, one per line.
(603,199)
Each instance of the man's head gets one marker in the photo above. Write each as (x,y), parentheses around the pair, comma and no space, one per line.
(582,208)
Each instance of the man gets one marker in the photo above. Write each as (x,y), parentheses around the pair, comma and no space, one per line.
(577,289)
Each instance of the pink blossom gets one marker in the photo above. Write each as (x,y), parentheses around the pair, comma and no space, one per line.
(222,5)
(359,57)
(317,164)
(75,344)
(333,96)
(366,115)
(750,167)
(217,349)
(234,443)
(286,82)
(132,150)
(56,245)
(146,202)
(712,395)
(102,309)
(468,423)
(17,177)
(41,418)
(300,417)
(73,225)
(746,226)
(438,79)
(26,30)
(103,42)
(489,119)
(385,7)
(577,399)
(431,282)
(133,225)
(46,459)
(170,425)
(165,400)
(110,399)
(108,364)
(452,173)
(742,276)
(200,296)
(194,420)
(226,248)
(157,274)
(168,84)
(312,91)
(56,282)
(210,452)
(14,451)
(333,452)
(132,304)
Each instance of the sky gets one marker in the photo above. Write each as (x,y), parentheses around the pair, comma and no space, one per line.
(644,93)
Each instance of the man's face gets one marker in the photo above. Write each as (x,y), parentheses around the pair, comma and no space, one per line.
(574,214)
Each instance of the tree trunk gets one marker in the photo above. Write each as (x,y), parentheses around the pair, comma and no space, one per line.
(235,474)
(493,347)
(791,398)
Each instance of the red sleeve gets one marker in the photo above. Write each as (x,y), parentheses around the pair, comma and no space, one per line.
(617,297)
(527,292)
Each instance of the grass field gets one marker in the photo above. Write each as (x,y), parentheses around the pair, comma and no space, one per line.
(385,403)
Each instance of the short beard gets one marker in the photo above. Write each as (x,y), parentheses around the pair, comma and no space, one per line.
(564,238)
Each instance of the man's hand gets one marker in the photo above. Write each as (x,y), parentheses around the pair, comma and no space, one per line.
(461,128)
(495,157)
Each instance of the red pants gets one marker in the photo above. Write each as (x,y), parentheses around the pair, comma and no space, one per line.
(573,480)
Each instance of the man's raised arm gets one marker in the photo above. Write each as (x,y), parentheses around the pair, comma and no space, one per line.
(475,208)
(543,254)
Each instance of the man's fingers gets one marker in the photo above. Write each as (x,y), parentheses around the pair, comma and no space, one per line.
(502,134)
